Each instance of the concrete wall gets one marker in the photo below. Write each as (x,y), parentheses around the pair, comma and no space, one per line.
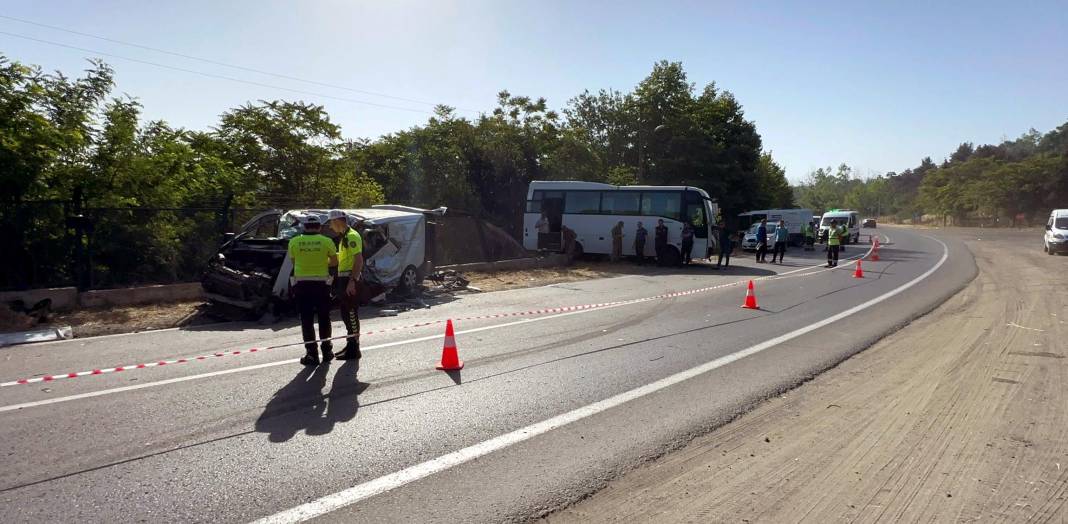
(63,298)
(141,295)
(510,265)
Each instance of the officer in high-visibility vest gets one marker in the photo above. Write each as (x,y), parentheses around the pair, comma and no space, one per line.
(346,285)
(313,254)
(810,236)
(834,242)
(844,236)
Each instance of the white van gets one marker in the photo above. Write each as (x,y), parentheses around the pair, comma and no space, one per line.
(795,220)
(1056,239)
(843,216)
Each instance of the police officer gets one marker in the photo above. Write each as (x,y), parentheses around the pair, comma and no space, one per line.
(810,236)
(312,255)
(349,272)
(834,242)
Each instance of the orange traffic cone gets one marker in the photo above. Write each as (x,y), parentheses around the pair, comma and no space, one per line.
(750,298)
(450,360)
(859,273)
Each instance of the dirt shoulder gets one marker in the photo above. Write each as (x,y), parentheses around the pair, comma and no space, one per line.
(581,270)
(960,416)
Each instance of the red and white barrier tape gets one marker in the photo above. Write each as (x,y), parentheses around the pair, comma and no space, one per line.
(545,311)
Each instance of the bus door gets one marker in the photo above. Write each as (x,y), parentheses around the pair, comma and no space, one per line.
(695,211)
(552,206)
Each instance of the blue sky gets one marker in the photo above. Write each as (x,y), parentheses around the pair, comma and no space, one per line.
(877,85)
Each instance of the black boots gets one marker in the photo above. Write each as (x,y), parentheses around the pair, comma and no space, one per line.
(351,351)
(312,357)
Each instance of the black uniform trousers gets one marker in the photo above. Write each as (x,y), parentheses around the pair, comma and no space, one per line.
(832,255)
(350,309)
(313,300)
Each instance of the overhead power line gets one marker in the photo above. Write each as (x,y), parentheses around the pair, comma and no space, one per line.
(213,75)
(224,64)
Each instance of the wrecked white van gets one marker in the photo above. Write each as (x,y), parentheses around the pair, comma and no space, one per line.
(252,269)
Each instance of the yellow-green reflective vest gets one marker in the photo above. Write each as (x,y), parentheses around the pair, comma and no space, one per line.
(311,256)
(350,245)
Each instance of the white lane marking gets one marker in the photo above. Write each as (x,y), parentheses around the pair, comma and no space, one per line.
(176,380)
(395,480)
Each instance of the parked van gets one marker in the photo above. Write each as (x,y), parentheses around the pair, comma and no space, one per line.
(795,220)
(1056,239)
(844,216)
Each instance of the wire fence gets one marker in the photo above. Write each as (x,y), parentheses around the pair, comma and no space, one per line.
(57,243)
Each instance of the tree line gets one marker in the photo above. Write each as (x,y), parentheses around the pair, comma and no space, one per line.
(92,193)
(1013,183)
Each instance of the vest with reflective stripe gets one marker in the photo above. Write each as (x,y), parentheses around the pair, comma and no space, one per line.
(311,256)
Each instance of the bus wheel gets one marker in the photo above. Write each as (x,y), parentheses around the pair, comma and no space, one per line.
(671,257)
(577,252)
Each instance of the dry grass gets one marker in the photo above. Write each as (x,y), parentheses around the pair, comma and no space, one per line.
(91,322)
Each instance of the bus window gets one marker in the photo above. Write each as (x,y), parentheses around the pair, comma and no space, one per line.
(665,204)
(620,202)
(582,203)
(534,204)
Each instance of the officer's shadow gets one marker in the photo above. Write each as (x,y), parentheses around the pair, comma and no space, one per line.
(302,405)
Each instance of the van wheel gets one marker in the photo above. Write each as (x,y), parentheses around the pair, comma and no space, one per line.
(670,258)
(1048,250)
(409,280)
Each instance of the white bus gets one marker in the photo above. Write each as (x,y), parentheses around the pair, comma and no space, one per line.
(592,209)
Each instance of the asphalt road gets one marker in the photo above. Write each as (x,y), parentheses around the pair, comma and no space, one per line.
(962,416)
(240,437)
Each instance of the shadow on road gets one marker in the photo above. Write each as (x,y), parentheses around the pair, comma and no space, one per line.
(301,404)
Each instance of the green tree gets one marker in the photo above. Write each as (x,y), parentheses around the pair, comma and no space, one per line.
(774,190)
